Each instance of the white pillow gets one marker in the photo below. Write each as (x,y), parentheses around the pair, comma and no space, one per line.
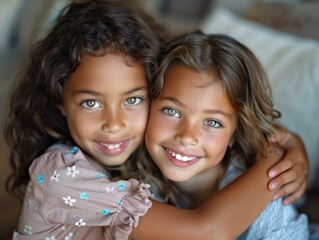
(292,64)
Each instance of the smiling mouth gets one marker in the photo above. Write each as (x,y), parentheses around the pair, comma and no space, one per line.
(112,146)
(180,157)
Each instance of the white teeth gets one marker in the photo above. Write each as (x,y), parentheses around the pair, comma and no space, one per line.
(112,146)
(180,157)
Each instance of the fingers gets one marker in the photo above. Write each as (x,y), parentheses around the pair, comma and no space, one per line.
(292,197)
(290,174)
(290,187)
(282,166)
(285,178)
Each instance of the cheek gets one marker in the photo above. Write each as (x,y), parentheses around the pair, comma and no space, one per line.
(138,120)
(155,129)
(216,146)
(82,126)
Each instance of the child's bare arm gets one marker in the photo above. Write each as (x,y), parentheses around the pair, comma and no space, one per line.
(224,216)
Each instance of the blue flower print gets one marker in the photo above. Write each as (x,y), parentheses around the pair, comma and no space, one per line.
(84,196)
(105,212)
(74,150)
(121,186)
(67,155)
(100,175)
(40,178)
(117,203)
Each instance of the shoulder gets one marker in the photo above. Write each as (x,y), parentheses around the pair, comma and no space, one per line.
(59,156)
(233,171)
(278,222)
(63,161)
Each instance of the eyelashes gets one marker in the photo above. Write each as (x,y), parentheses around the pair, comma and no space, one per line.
(171,112)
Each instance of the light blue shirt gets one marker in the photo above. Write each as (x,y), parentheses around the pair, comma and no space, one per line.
(276,222)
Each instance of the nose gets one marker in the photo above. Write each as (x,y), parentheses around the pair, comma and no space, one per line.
(187,135)
(113,119)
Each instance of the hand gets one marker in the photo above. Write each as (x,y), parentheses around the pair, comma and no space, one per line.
(290,174)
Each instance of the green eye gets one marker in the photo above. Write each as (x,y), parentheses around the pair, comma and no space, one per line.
(212,123)
(171,112)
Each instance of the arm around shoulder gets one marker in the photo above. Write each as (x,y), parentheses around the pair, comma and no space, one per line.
(223,216)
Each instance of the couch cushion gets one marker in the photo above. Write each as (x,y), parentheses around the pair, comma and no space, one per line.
(292,64)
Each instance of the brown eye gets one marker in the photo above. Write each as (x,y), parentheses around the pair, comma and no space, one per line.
(133,101)
(91,104)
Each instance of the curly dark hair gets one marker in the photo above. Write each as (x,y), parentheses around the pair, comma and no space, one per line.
(93,27)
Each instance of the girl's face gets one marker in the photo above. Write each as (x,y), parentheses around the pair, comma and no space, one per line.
(191,124)
(105,103)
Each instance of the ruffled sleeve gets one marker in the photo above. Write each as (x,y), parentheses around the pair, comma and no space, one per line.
(67,188)
(130,209)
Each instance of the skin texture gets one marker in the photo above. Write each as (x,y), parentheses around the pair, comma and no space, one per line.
(196,127)
(99,101)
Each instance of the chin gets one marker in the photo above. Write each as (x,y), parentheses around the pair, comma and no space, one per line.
(176,178)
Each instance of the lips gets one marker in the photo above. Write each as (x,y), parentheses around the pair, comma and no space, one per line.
(113,148)
(179,159)
(179,156)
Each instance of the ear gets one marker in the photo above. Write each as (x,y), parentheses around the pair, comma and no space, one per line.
(62,110)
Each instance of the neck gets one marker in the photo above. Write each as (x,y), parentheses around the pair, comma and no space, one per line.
(197,189)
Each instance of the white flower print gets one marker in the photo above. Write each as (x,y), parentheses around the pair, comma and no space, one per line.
(50,238)
(72,171)
(55,176)
(80,223)
(69,237)
(15,236)
(69,200)
(109,190)
(131,221)
(28,229)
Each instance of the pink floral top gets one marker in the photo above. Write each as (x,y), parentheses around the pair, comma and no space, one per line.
(71,197)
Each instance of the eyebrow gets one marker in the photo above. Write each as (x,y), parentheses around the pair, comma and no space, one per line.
(99,94)
(208,111)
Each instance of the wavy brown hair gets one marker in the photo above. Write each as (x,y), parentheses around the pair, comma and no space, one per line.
(92,27)
(245,82)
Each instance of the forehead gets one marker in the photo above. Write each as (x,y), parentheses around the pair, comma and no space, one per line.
(110,71)
(179,74)
(196,90)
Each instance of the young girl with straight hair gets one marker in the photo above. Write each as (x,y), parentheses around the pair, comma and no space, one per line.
(78,114)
